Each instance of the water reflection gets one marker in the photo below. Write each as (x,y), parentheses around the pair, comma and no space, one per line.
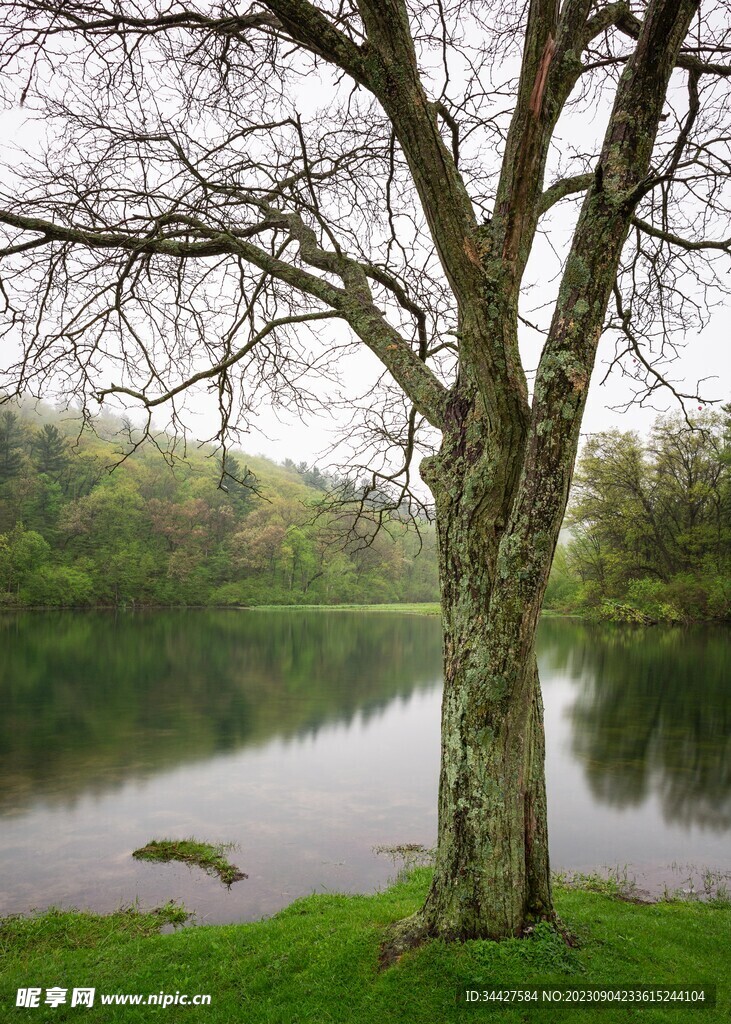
(652,715)
(90,700)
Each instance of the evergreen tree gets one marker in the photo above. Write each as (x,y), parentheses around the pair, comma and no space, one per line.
(49,450)
(11,445)
(238,482)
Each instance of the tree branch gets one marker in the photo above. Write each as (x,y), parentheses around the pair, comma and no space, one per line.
(562,188)
(354,302)
(218,368)
(690,245)
(620,15)
(309,27)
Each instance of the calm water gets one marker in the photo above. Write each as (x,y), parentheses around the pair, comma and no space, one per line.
(308,738)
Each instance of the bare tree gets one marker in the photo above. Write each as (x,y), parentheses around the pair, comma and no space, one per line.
(223,181)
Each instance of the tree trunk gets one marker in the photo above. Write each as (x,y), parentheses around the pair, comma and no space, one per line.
(491,877)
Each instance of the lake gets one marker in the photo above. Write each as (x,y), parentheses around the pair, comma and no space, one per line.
(309,738)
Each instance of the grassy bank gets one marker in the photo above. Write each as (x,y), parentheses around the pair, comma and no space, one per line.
(317,961)
(409,608)
(423,608)
(412,608)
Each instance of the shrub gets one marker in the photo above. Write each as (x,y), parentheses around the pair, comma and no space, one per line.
(58,585)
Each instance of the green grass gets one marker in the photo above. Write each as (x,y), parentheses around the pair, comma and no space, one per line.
(317,961)
(425,608)
(192,851)
(615,882)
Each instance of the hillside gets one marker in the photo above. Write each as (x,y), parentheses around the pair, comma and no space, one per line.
(79,526)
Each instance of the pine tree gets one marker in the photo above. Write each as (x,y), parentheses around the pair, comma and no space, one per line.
(11,445)
(49,450)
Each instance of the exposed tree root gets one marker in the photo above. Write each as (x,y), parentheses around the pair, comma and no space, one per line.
(410,933)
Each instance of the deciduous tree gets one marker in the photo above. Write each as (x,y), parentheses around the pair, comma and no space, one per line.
(650,519)
(225,182)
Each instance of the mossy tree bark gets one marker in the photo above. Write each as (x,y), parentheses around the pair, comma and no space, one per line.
(492,875)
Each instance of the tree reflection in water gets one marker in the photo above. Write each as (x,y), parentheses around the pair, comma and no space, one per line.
(93,699)
(652,715)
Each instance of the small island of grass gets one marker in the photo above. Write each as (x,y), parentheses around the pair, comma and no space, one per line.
(190,851)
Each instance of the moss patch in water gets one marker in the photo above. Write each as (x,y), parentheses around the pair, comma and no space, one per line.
(191,851)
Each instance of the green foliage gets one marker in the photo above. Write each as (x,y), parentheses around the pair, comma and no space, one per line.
(57,586)
(244,532)
(22,552)
(11,448)
(563,586)
(50,450)
(617,611)
(651,525)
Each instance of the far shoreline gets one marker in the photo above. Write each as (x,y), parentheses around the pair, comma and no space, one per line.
(426,608)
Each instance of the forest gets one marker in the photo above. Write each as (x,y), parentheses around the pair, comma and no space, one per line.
(80,525)
(647,537)
(649,523)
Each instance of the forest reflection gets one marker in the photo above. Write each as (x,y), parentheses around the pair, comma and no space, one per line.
(652,715)
(92,700)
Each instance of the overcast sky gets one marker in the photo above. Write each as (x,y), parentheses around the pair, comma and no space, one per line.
(705,355)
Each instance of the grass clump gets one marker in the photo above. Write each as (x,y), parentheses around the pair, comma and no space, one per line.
(39,935)
(191,851)
(317,962)
(616,883)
